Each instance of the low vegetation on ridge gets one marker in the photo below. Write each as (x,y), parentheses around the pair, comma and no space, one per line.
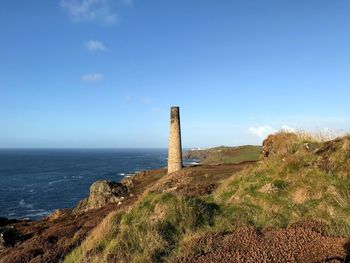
(298,178)
(224,154)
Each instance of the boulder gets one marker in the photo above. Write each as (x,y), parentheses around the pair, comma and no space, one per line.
(9,237)
(58,213)
(278,144)
(102,193)
(5,221)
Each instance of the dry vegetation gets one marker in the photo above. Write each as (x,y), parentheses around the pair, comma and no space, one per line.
(300,177)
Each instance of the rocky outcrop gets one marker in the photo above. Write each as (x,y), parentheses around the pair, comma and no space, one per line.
(58,213)
(295,150)
(50,239)
(9,237)
(102,193)
(334,156)
(278,144)
(6,221)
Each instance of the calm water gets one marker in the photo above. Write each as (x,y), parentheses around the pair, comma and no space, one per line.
(34,183)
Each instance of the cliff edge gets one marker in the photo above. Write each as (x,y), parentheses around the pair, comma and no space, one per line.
(291,203)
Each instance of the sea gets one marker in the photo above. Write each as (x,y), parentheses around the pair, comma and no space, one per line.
(35,182)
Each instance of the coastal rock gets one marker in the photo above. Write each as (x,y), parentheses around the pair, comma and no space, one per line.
(9,237)
(102,193)
(5,221)
(278,144)
(128,181)
(333,156)
(58,213)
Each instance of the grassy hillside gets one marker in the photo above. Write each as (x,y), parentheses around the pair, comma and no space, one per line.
(298,179)
(225,154)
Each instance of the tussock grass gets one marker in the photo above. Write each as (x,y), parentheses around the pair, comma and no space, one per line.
(321,136)
(307,178)
(149,232)
(97,240)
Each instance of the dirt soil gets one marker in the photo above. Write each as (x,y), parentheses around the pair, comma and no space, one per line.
(198,180)
(302,242)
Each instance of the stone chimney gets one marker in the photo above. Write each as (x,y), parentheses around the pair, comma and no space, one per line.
(175,149)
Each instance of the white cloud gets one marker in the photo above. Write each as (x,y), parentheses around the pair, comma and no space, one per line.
(94,45)
(93,77)
(262,132)
(88,10)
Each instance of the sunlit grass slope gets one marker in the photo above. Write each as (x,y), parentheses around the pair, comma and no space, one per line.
(298,178)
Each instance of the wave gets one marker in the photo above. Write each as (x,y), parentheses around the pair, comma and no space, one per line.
(126,174)
(38,214)
(22,203)
(52,179)
(55,182)
(191,163)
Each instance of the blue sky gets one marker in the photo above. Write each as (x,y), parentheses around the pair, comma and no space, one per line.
(104,73)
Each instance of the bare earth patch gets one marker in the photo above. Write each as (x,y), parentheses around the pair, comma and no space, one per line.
(302,242)
(300,196)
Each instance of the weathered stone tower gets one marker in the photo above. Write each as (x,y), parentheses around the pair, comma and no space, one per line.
(175,149)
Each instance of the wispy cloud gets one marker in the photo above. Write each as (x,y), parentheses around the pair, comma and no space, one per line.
(88,10)
(147,100)
(92,77)
(127,2)
(262,131)
(325,133)
(157,109)
(127,98)
(95,45)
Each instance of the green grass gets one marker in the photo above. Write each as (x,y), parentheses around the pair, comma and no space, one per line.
(292,187)
(284,189)
(151,231)
(233,155)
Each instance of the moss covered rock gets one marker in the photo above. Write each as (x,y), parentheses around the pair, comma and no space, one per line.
(102,193)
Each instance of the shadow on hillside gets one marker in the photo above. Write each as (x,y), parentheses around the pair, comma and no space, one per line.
(347,249)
